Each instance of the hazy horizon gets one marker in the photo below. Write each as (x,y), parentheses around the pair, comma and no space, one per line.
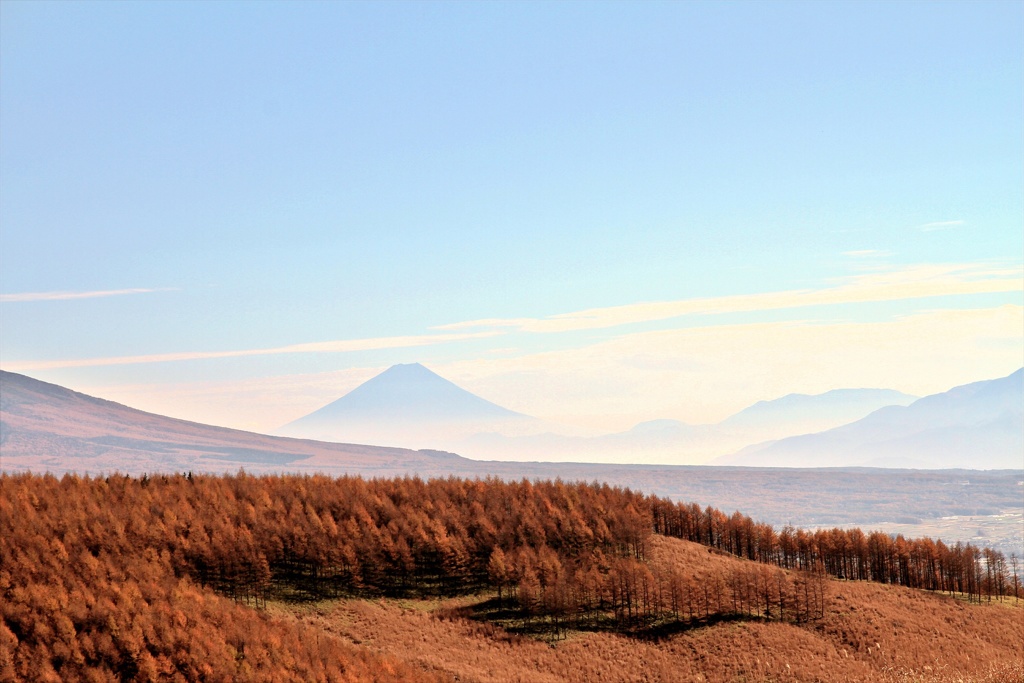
(594,214)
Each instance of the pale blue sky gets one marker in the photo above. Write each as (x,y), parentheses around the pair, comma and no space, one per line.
(286,173)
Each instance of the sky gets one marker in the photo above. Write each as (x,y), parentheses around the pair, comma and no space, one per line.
(594,213)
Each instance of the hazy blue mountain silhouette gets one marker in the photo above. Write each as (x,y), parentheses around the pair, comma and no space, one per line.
(978,425)
(408,392)
(675,442)
(406,404)
(839,406)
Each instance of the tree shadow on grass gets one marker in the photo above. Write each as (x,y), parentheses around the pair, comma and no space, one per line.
(513,619)
(663,629)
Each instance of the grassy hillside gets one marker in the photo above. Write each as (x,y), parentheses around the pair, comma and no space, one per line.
(117,578)
(870,632)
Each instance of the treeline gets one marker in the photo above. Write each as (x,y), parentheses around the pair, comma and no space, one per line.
(924,563)
(106,573)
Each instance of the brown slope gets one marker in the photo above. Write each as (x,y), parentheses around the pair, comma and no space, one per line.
(870,633)
(47,427)
(891,626)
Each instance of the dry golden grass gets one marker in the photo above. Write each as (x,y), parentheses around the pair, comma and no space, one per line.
(870,632)
(914,629)
(698,561)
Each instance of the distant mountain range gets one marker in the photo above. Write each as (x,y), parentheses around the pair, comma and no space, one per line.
(978,425)
(675,442)
(975,426)
(413,407)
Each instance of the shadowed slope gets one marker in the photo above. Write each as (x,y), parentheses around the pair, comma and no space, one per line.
(47,427)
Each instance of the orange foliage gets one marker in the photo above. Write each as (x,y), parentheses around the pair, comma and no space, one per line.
(117,578)
(88,594)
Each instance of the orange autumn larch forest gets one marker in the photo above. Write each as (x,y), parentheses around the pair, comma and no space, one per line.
(121,578)
(512,342)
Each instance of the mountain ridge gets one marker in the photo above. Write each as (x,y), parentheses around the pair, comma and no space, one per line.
(834,404)
(947,429)
(670,441)
(104,429)
(47,426)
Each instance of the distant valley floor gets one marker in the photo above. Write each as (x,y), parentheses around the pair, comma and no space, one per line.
(979,506)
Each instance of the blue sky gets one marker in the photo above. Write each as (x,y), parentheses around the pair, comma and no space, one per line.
(186,187)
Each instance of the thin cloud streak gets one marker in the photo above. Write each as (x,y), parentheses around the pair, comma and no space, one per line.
(915,282)
(340,346)
(704,374)
(909,283)
(69,296)
(698,375)
(941,225)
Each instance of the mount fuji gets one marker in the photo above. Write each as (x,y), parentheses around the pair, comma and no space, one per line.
(408,405)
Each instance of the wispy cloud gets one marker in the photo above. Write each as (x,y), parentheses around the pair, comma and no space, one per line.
(68,296)
(913,282)
(941,225)
(703,374)
(339,346)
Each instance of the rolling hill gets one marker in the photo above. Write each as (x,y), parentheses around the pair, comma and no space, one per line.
(870,633)
(45,427)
